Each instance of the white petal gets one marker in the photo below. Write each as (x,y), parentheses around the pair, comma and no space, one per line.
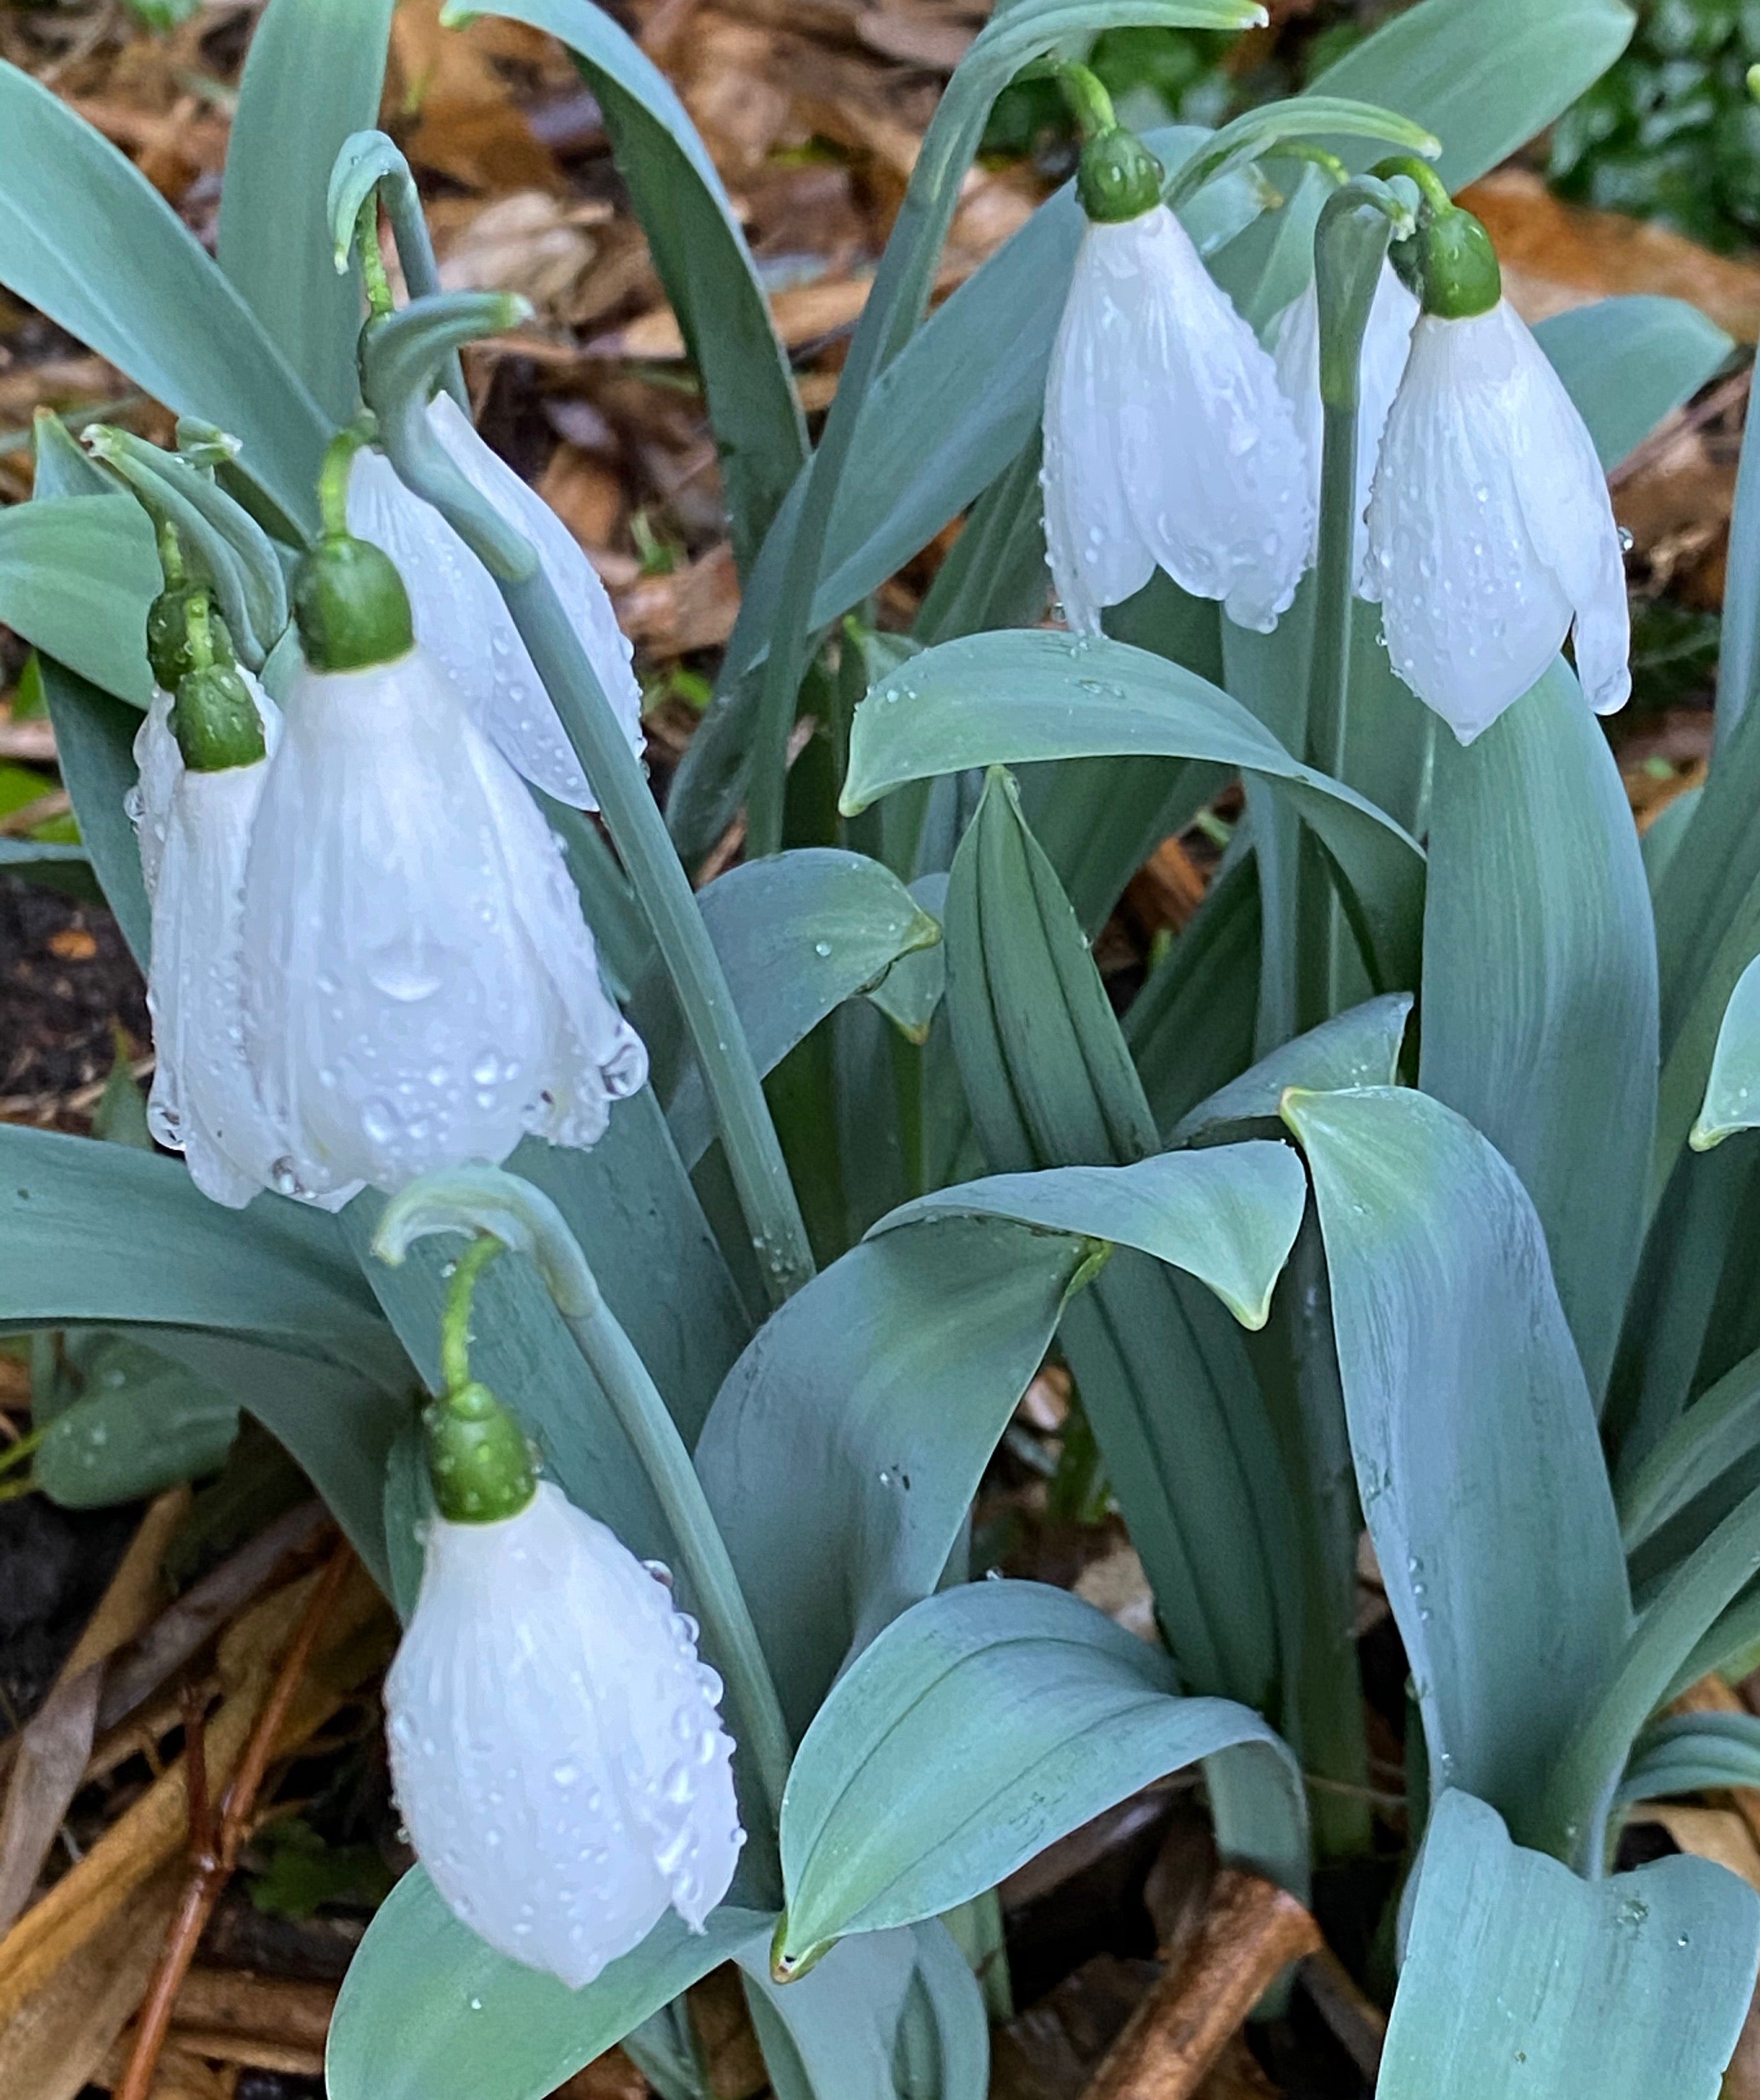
(555,1746)
(158,763)
(1168,438)
(400,1013)
(1474,613)
(1387,347)
(461,621)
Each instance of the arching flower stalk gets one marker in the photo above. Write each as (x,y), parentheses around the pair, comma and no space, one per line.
(420,985)
(1491,534)
(1168,441)
(556,1748)
(461,622)
(1387,347)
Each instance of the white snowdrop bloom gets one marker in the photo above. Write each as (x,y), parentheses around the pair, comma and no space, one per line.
(1387,345)
(419,987)
(1168,440)
(157,763)
(461,621)
(556,1749)
(1491,534)
(204,1101)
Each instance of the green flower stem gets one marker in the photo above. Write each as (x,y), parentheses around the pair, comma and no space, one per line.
(171,554)
(1089,103)
(333,477)
(455,1322)
(1428,183)
(1350,240)
(15,1454)
(393,383)
(378,285)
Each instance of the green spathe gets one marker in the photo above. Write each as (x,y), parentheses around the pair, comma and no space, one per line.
(350,607)
(478,1460)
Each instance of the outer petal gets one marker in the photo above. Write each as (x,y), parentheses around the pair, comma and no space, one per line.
(158,763)
(460,620)
(1473,614)
(555,1746)
(1214,471)
(1386,349)
(1570,517)
(398,1013)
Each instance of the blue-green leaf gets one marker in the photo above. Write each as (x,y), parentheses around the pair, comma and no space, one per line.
(978,1728)
(1007,698)
(312,78)
(1628,363)
(1521,1980)
(1480,1472)
(85,238)
(1540,987)
(1693,1753)
(1732,1087)
(141,1424)
(76,579)
(1359,1048)
(94,739)
(428,2012)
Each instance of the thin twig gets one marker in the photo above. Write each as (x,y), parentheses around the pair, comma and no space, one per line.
(216,1851)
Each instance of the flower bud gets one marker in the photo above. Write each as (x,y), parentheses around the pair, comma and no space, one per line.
(556,1749)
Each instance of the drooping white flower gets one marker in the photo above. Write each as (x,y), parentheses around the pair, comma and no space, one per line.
(419,987)
(1168,440)
(1490,531)
(556,1749)
(1387,345)
(461,621)
(204,1101)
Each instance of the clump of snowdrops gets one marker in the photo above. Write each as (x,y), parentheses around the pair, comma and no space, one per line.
(1414,1192)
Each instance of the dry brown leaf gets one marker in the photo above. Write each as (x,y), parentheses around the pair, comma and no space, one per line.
(1557,255)
(52,2044)
(1116,1585)
(53,1747)
(585,493)
(611,2076)
(1167,889)
(723,73)
(724,2027)
(1710,1833)
(527,243)
(921,36)
(236,2005)
(155,1829)
(693,608)
(467,124)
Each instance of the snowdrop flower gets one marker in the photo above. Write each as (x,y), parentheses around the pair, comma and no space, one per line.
(1491,534)
(419,987)
(1168,440)
(461,622)
(158,764)
(1387,345)
(204,1101)
(556,1749)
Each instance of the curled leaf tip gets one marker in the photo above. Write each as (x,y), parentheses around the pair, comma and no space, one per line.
(788,1967)
(483,1199)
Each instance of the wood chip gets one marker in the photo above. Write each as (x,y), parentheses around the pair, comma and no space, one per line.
(1251,1933)
(1718,1834)
(692,608)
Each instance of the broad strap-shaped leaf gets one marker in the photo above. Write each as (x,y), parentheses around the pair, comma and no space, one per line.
(1627,363)
(797,933)
(94,739)
(984,1724)
(142,1424)
(1228,1217)
(1521,1980)
(85,237)
(428,2012)
(312,78)
(867,1407)
(1477,1460)
(1163,1374)
(1007,698)
(1540,987)
(885,2014)
(1485,75)
(701,256)
(1710,1452)
(1190,1029)
(1360,1048)
(76,579)
(106,1236)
